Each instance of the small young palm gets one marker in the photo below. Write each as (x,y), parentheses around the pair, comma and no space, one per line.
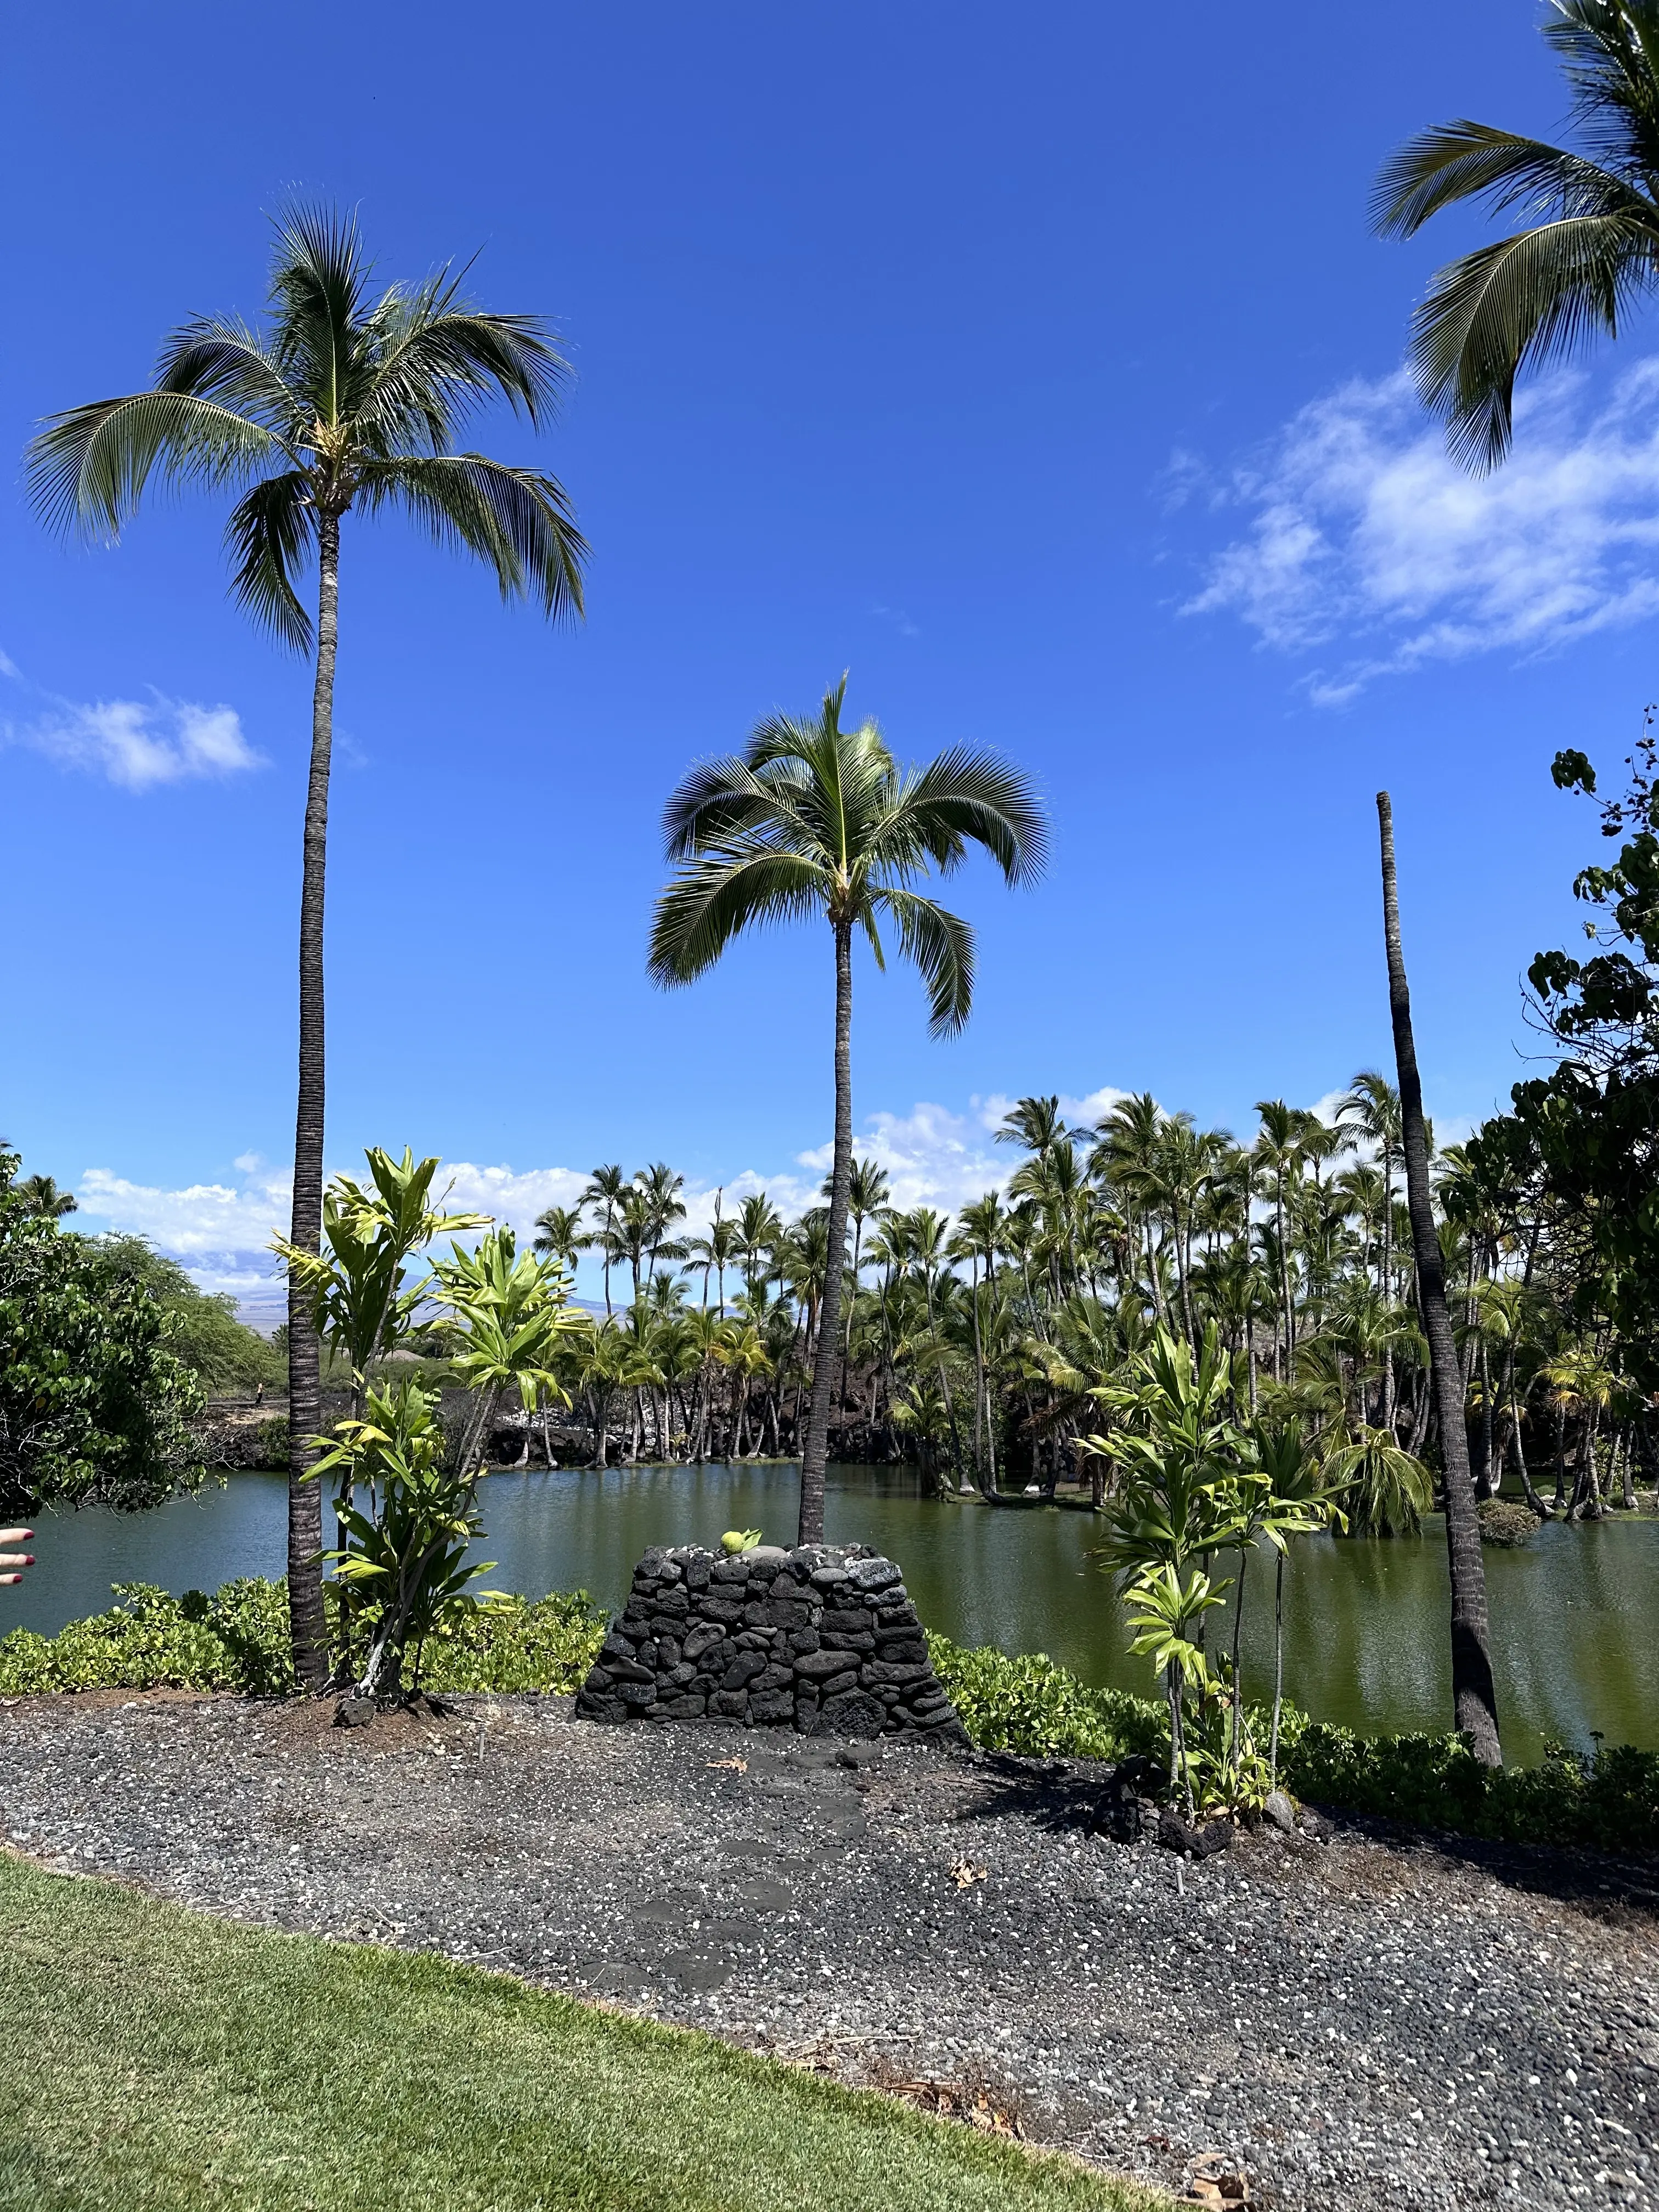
(814,820)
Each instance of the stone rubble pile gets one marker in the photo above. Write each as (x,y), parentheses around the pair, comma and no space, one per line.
(824,1639)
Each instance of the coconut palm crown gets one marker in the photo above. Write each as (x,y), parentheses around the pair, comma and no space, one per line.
(345,402)
(813,820)
(1589,252)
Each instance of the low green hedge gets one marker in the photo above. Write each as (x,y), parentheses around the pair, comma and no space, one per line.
(238,1640)
(1608,1801)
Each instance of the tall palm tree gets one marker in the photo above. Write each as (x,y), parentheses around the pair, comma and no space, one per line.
(344,402)
(979,1233)
(559,1230)
(813,820)
(604,1188)
(1474,1698)
(1582,265)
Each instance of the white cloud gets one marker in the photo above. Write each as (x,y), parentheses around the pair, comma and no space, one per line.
(1366,532)
(8,666)
(202,1218)
(138,744)
(513,1198)
(933,1157)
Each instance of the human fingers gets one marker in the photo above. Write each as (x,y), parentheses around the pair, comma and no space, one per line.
(16,1535)
(17,1560)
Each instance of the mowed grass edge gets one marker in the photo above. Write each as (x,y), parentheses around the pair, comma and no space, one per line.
(151,2056)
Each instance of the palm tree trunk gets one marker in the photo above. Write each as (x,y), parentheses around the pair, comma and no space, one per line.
(816,1449)
(1278,1667)
(1473,1697)
(1530,1494)
(308,1629)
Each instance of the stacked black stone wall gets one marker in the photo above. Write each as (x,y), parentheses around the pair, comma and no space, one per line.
(824,1639)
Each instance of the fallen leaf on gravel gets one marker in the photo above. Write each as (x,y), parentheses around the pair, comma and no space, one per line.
(1215,2180)
(952,2102)
(737,1765)
(964,1874)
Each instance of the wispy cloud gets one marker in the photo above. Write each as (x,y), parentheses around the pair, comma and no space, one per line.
(137,743)
(1366,535)
(898,619)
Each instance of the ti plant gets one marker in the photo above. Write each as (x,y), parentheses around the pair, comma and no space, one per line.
(510,1329)
(1196,1476)
(362,1304)
(405,1530)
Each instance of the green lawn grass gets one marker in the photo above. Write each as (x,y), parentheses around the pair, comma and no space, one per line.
(153,2056)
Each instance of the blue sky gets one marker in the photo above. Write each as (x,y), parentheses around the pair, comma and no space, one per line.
(1039,368)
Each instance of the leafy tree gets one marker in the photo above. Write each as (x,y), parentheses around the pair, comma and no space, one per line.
(1583,263)
(96,1406)
(344,402)
(1592,1124)
(813,820)
(203,1330)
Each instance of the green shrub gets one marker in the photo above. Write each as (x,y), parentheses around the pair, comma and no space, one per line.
(1607,1801)
(1504,1522)
(1029,1704)
(238,1640)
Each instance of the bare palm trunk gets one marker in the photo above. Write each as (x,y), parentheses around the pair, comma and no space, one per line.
(1519,1449)
(308,1628)
(1388,1280)
(824,1379)
(1473,1696)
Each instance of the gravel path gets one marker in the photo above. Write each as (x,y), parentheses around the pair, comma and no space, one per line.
(1367,2027)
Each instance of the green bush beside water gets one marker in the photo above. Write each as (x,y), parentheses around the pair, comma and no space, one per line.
(237,1641)
(1609,1802)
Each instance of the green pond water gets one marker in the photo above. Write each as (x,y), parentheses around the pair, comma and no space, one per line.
(1366,1637)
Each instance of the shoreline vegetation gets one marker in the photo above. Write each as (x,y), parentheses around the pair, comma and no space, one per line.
(235,1642)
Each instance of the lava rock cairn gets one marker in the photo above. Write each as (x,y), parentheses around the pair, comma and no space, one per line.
(825,1639)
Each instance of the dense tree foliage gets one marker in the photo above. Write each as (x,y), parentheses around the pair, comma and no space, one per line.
(202,1331)
(95,1403)
(1580,1154)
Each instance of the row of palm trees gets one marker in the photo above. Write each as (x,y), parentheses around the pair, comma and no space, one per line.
(978,1347)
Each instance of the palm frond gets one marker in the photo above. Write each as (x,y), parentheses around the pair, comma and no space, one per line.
(968,794)
(517,520)
(941,946)
(1467,161)
(269,534)
(317,274)
(1534,297)
(88,466)
(719,800)
(435,360)
(1609,53)
(708,902)
(219,357)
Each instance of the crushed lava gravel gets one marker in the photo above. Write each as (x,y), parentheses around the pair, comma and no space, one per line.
(1363,2025)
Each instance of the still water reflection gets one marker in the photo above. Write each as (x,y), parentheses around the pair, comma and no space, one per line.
(1365,1643)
